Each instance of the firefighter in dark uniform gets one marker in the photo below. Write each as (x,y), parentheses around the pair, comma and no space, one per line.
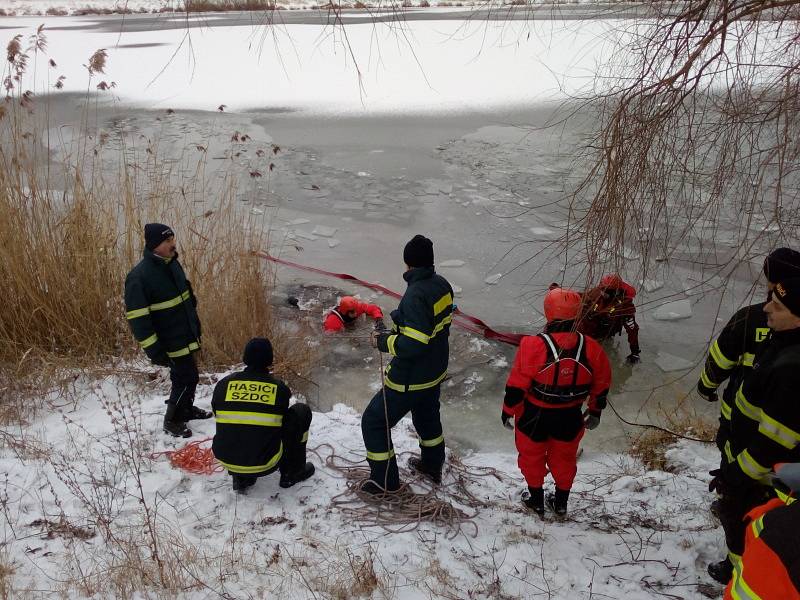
(161,309)
(765,423)
(553,375)
(418,343)
(257,431)
(770,565)
(731,357)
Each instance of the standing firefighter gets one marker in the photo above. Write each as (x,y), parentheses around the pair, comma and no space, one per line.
(162,313)
(419,346)
(257,431)
(554,373)
(765,423)
(608,309)
(731,357)
(348,311)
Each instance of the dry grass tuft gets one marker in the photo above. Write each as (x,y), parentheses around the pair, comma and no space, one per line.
(652,444)
(192,6)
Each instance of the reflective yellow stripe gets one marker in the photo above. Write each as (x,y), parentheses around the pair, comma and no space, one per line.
(747,409)
(707,382)
(380,455)
(444,323)
(758,526)
(442,303)
(739,588)
(304,439)
(170,303)
(728,452)
(778,432)
(392,385)
(431,443)
(751,467)
(747,359)
(147,342)
(138,312)
(390,344)
(722,361)
(424,386)
(415,334)
(235,417)
(184,351)
(254,469)
(725,410)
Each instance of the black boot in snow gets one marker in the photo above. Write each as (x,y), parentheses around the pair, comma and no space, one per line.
(172,425)
(533,499)
(558,502)
(288,480)
(242,482)
(416,464)
(721,571)
(195,413)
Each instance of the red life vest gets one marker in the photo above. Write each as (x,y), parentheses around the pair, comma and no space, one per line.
(566,377)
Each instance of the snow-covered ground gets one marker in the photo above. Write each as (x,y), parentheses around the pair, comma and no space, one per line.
(89,513)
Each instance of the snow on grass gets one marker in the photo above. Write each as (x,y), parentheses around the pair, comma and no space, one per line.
(89,513)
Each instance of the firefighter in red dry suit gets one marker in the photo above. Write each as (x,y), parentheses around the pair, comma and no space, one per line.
(348,311)
(554,373)
(607,309)
(770,565)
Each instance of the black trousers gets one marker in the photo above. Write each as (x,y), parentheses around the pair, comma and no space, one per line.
(732,509)
(377,422)
(294,435)
(184,377)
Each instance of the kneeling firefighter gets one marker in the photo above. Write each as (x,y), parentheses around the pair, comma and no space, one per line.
(553,374)
(257,431)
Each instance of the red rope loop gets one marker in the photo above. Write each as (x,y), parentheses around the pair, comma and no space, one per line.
(193,457)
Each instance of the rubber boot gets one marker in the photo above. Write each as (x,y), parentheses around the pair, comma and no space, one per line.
(288,480)
(416,464)
(195,413)
(721,571)
(242,482)
(534,500)
(172,425)
(558,502)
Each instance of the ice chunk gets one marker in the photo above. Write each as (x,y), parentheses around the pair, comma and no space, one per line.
(541,231)
(299,222)
(669,362)
(324,231)
(651,285)
(451,263)
(672,311)
(363,174)
(456,289)
(333,243)
(306,235)
(492,279)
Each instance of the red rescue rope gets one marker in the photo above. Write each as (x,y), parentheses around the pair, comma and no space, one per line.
(193,458)
(463,320)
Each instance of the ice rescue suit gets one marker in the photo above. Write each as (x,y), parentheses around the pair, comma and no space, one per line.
(765,430)
(419,345)
(337,321)
(608,309)
(731,357)
(552,376)
(257,431)
(770,566)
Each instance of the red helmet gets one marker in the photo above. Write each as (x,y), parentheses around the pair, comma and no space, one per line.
(614,281)
(348,303)
(561,304)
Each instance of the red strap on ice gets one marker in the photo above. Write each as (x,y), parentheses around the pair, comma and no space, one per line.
(463,320)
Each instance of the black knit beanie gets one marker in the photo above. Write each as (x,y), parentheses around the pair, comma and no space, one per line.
(155,233)
(783,263)
(258,353)
(418,252)
(788,292)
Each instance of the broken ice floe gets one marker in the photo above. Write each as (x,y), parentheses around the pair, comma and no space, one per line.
(332,243)
(492,279)
(672,311)
(299,222)
(652,285)
(669,362)
(452,263)
(541,231)
(324,231)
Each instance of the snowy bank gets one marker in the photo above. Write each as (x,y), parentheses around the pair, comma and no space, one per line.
(88,512)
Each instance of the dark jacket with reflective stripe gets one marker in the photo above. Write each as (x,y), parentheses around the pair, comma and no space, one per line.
(249,407)
(161,307)
(419,337)
(731,357)
(765,420)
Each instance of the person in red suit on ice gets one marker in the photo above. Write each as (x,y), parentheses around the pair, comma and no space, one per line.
(608,309)
(554,374)
(348,311)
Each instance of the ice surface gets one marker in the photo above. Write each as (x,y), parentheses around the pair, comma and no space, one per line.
(451,263)
(324,231)
(348,205)
(541,231)
(669,362)
(672,311)
(306,235)
(651,285)
(299,221)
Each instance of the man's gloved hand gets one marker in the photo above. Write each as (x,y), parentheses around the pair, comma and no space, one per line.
(508,421)
(708,395)
(162,360)
(380,325)
(373,338)
(717,483)
(591,421)
(633,357)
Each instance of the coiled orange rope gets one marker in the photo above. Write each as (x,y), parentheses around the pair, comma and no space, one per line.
(193,457)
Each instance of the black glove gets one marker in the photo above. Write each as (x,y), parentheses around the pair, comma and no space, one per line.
(508,421)
(718,483)
(380,325)
(709,395)
(591,420)
(633,357)
(162,360)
